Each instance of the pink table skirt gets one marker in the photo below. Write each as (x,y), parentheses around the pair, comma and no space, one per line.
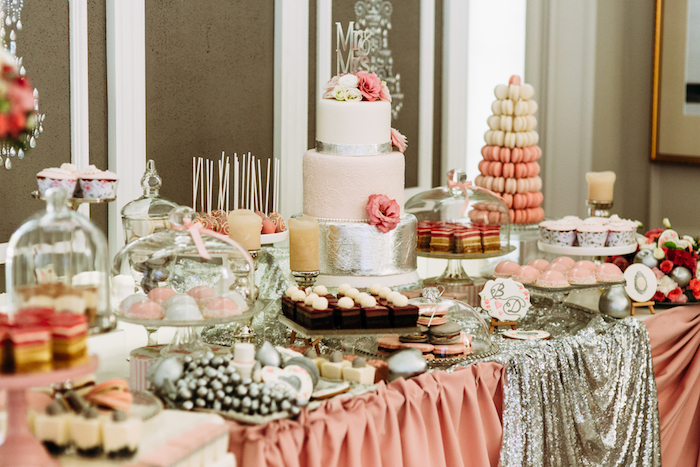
(675,344)
(436,419)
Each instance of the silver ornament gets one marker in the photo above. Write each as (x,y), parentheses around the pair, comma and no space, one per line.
(615,303)
(646,257)
(169,368)
(268,355)
(681,275)
(406,363)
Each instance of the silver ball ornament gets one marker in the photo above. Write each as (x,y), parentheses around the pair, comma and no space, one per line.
(681,275)
(614,302)
(646,257)
(406,363)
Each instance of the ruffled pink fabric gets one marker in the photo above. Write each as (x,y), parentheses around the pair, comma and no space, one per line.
(383,212)
(675,350)
(437,419)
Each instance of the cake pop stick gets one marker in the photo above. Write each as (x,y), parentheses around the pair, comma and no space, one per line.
(227,187)
(267,189)
(195,174)
(235,181)
(260,197)
(200,161)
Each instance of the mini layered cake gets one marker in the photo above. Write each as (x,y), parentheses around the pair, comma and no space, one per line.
(374,316)
(402,313)
(317,315)
(288,304)
(347,314)
(68,339)
(31,348)
(449,237)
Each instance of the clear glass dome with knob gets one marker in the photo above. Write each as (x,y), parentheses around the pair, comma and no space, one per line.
(59,260)
(183,274)
(149,213)
(474,219)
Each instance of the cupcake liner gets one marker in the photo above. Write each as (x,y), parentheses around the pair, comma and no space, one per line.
(592,239)
(620,238)
(98,189)
(46,183)
(545,235)
(562,237)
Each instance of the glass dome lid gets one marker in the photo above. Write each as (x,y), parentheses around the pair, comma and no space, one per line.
(57,261)
(149,213)
(457,212)
(184,260)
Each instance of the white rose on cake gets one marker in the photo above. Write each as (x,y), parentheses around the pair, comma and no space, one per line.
(340,93)
(348,81)
(353,94)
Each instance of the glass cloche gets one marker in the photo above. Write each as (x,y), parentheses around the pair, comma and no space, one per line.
(149,213)
(183,274)
(58,260)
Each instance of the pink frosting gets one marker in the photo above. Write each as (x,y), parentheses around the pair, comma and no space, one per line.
(581,275)
(608,272)
(586,264)
(539,264)
(145,310)
(525,274)
(561,267)
(569,262)
(57,174)
(505,269)
(552,278)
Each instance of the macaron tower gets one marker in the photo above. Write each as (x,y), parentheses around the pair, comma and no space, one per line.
(510,166)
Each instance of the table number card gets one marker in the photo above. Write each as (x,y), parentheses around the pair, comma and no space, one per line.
(505,299)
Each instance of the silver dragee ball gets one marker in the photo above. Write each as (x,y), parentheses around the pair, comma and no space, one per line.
(614,302)
(268,355)
(406,363)
(681,275)
(646,257)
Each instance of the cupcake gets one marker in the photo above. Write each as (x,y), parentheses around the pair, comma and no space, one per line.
(505,269)
(621,233)
(97,184)
(544,231)
(581,275)
(552,278)
(65,177)
(525,275)
(592,234)
(562,233)
(608,272)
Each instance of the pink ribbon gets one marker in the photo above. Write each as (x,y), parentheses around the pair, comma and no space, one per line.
(463,186)
(196,229)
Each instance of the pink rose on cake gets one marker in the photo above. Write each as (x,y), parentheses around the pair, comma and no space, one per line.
(383,212)
(370,85)
(384,94)
(398,140)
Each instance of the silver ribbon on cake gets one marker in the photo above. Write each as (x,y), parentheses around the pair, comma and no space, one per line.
(353,149)
(360,249)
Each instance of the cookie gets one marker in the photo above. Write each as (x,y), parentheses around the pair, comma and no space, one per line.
(448,333)
(428,309)
(435,321)
(414,338)
(449,351)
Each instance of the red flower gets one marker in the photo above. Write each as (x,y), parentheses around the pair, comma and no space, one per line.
(621,263)
(696,295)
(674,294)
(694,285)
(682,258)
(383,212)
(654,234)
(666,266)
(682,298)
(659,296)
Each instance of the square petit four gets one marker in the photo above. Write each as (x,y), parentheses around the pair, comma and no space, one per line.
(441,239)
(31,348)
(373,315)
(402,314)
(347,314)
(68,339)
(317,315)
(359,371)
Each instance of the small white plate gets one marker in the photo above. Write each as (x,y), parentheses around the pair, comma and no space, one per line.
(525,335)
(641,282)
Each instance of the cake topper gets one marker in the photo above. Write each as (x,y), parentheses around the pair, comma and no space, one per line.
(354,45)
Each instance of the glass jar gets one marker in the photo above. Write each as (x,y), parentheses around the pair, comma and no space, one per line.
(58,260)
(149,213)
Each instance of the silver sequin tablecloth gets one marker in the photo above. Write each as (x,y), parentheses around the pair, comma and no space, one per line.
(585,397)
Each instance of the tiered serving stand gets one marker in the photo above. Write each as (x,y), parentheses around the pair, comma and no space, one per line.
(75,203)
(21,448)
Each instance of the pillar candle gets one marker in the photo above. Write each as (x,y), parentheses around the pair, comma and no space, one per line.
(600,186)
(244,227)
(303,243)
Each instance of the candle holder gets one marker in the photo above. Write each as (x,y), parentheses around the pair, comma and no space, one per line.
(305,278)
(599,208)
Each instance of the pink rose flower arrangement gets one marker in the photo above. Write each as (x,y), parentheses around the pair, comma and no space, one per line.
(16,103)
(398,140)
(354,87)
(384,213)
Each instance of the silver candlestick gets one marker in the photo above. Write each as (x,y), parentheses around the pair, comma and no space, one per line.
(305,278)
(599,208)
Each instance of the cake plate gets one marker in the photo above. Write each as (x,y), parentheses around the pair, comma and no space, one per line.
(587,251)
(454,274)
(74,203)
(269,239)
(187,340)
(21,448)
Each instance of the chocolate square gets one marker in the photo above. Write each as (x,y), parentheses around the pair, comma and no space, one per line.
(288,308)
(315,319)
(347,318)
(403,316)
(376,317)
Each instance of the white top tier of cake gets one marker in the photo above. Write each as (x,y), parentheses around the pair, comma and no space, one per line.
(363,122)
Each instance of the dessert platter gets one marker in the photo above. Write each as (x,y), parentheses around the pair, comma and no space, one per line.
(594,236)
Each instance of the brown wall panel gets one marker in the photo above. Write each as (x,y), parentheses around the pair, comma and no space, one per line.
(209,84)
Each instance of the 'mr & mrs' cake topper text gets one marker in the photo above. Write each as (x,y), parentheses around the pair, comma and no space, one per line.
(352,49)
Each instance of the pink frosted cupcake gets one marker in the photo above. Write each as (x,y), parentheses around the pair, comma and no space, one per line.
(65,177)
(505,269)
(608,272)
(552,278)
(539,264)
(97,184)
(581,275)
(562,233)
(621,233)
(592,235)
(525,275)
(544,232)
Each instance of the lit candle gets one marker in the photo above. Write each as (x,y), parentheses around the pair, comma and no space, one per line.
(303,244)
(244,227)
(600,186)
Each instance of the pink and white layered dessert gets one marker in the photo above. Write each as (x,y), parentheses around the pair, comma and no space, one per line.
(65,177)
(97,184)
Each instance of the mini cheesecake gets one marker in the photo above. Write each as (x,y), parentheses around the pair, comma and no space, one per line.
(121,435)
(52,428)
(86,431)
(346,314)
